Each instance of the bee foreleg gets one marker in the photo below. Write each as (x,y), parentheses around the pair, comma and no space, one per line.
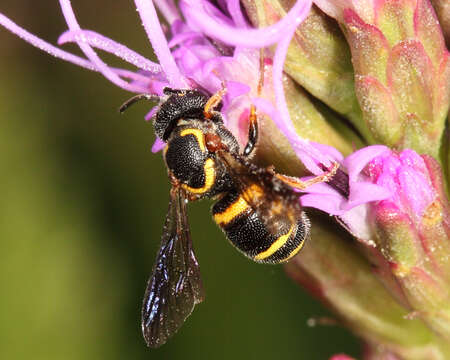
(213,102)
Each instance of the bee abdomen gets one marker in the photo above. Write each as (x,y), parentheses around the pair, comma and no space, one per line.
(249,233)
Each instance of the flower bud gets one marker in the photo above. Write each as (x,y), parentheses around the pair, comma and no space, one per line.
(412,232)
(442,8)
(402,72)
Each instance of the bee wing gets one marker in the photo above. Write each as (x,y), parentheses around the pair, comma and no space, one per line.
(276,201)
(175,286)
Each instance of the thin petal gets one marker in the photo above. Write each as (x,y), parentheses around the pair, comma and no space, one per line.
(234,8)
(101,42)
(45,46)
(329,150)
(158,145)
(194,11)
(89,52)
(158,40)
(151,113)
(168,9)
(307,153)
(182,37)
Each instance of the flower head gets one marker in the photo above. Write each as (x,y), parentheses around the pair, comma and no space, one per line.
(213,46)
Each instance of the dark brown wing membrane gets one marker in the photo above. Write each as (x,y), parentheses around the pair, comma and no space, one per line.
(278,200)
(175,286)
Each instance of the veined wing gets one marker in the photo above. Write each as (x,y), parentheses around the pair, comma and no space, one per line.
(175,286)
(269,197)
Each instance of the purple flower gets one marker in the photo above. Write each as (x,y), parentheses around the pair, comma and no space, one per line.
(405,176)
(218,45)
(192,59)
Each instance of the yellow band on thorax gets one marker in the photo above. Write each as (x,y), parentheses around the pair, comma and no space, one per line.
(198,135)
(210,178)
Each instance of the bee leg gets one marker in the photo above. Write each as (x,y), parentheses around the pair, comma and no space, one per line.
(252,131)
(302,185)
(253,117)
(213,101)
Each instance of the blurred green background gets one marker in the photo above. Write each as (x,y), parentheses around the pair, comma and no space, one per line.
(82,207)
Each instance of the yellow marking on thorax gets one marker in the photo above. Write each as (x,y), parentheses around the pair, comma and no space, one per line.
(238,206)
(210,178)
(198,135)
(277,244)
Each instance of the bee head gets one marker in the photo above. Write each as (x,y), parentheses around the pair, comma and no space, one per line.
(178,104)
(174,105)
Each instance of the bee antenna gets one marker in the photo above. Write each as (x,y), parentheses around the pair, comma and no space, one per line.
(135,99)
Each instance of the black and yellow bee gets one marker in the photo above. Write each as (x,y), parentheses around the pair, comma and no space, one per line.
(256,208)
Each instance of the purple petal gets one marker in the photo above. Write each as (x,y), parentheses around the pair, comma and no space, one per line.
(168,9)
(328,203)
(307,153)
(204,52)
(329,150)
(416,190)
(364,192)
(358,224)
(89,52)
(139,83)
(158,40)
(234,8)
(235,89)
(195,13)
(213,12)
(182,37)
(357,161)
(411,158)
(151,113)
(278,64)
(45,46)
(101,42)
(215,63)
(158,145)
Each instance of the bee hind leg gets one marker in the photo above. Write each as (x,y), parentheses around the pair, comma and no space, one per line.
(302,185)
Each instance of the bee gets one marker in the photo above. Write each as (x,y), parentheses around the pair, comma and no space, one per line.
(255,207)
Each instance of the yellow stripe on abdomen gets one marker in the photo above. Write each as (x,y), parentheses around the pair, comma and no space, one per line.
(239,206)
(276,245)
(294,252)
(235,209)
